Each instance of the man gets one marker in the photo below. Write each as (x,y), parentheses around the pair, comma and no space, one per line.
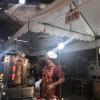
(52,76)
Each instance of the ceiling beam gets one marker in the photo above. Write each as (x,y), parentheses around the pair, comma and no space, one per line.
(47,24)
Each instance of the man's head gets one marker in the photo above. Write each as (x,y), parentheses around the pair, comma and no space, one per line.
(49,62)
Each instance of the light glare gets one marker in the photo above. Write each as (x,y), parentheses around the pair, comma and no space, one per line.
(22,1)
(3,93)
(60,46)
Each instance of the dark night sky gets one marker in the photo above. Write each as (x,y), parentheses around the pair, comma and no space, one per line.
(8,28)
(28,1)
(16,1)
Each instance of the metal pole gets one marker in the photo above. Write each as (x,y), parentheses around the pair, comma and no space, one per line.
(59,57)
(97,62)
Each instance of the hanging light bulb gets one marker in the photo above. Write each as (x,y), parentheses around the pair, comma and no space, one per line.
(22,1)
(61,46)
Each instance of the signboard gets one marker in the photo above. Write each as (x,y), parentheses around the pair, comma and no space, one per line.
(71,16)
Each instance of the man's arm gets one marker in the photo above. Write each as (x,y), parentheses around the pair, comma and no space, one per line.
(61,80)
(60,75)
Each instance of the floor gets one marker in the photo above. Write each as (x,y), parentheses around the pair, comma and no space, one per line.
(68,97)
(76,97)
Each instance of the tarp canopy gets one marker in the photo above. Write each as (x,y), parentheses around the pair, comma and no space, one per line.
(50,19)
(85,28)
